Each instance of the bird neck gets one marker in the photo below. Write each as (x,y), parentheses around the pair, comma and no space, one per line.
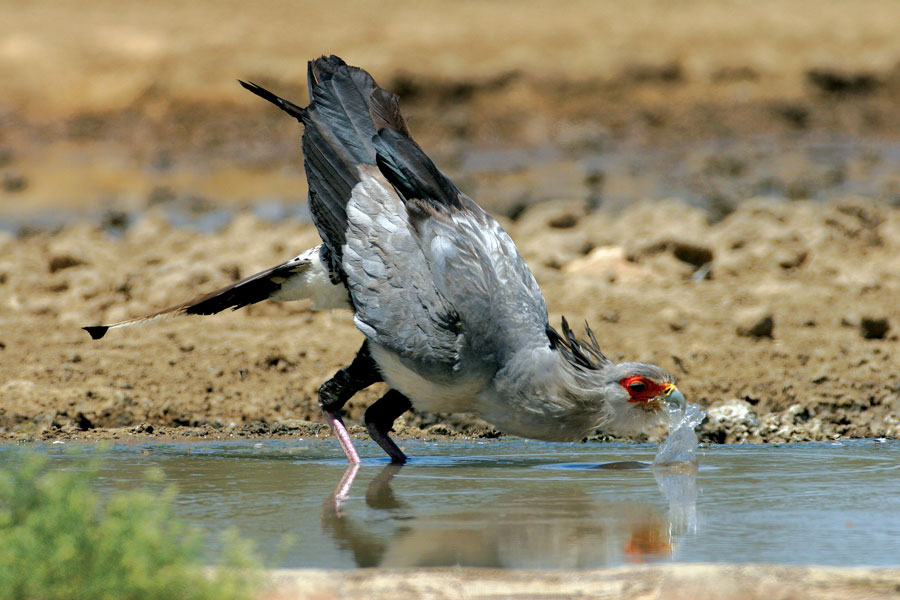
(538,395)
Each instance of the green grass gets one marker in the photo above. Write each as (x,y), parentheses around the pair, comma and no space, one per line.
(58,540)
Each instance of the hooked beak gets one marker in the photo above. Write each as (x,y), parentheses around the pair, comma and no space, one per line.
(673,397)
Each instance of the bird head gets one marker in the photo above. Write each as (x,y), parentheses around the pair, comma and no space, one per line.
(632,396)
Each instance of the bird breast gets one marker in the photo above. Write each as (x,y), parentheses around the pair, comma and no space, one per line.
(430,394)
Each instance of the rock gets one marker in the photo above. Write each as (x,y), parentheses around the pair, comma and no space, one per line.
(791,259)
(556,214)
(82,422)
(142,428)
(731,421)
(820,377)
(874,328)
(692,253)
(687,252)
(563,221)
(439,429)
(755,323)
(63,261)
(14,182)
(850,320)
(609,263)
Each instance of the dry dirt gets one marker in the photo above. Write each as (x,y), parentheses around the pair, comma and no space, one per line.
(773,298)
(782,337)
(664,582)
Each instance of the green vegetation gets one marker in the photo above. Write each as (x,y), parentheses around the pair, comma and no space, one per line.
(58,540)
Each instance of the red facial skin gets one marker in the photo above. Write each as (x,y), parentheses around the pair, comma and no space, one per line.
(650,390)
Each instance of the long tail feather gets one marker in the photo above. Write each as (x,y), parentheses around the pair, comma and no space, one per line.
(285,105)
(250,290)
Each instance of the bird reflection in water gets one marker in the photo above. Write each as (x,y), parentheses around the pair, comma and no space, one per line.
(560,527)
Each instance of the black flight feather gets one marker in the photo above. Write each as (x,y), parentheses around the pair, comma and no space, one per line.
(579,352)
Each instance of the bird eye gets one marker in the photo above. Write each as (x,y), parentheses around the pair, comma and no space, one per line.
(637,386)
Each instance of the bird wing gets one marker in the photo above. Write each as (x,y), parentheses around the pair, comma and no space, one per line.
(438,254)
(430,274)
(396,301)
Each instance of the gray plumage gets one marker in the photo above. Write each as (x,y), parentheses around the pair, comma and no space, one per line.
(452,315)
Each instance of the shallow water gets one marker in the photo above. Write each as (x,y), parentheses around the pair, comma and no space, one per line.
(514,503)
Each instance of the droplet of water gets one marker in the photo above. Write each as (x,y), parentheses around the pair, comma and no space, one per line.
(680,446)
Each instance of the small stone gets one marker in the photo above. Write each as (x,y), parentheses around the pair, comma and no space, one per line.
(687,252)
(691,253)
(874,328)
(818,378)
(755,323)
(674,318)
(63,261)
(731,421)
(850,320)
(82,422)
(563,221)
(791,259)
(439,429)
(14,182)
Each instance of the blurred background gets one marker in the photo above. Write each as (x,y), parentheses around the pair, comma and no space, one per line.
(713,184)
(107,108)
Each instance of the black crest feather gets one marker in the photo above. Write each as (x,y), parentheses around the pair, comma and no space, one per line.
(580,352)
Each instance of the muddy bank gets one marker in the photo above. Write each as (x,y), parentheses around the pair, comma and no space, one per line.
(666,582)
(781,319)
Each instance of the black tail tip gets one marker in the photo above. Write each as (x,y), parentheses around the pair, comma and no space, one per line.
(97,331)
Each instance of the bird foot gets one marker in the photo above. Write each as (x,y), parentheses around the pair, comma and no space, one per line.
(387,444)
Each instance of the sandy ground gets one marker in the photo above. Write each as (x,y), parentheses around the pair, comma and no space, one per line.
(773,299)
(778,318)
(664,582)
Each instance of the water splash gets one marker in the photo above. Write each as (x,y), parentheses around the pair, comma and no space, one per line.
(680,446)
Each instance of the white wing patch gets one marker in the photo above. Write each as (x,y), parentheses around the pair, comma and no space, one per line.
(313,283)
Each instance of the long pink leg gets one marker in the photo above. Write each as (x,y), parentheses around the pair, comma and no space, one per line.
(334,393)
(343,436)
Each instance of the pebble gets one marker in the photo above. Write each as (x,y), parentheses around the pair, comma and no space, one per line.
(731,421)
(692,253)
(755,323)
(63,261)
(874,328)
(674,318)
(14,182)
(687,252)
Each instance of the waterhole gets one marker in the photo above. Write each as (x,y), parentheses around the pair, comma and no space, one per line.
(517,504)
